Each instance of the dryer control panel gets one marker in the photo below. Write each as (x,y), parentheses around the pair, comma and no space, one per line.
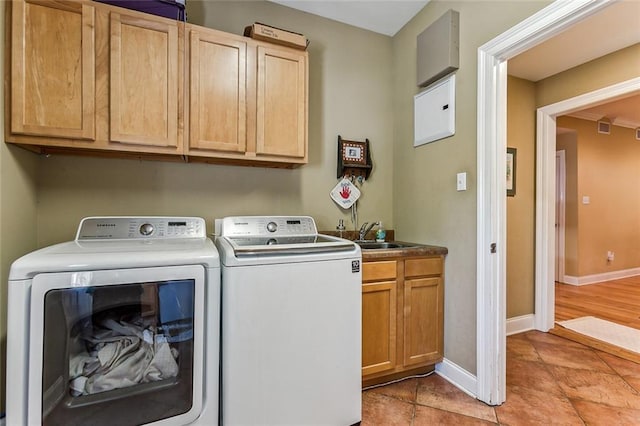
(269,226)
(152,227)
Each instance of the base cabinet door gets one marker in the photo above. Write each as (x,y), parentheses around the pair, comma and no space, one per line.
(423,314)
(53,70)
(422,321)
(379,327)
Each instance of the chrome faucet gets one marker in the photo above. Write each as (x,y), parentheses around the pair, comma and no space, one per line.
(364,230)
(340,227)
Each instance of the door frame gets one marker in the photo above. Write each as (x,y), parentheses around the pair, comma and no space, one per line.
(560,199)
(491,199)
(545,192)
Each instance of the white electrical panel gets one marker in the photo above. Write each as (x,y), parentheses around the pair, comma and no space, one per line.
(434,114)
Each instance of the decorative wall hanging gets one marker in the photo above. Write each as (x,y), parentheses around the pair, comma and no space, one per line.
(511,172)
(354,159)
(345,193)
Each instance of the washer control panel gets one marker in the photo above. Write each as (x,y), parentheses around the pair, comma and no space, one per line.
(257,226)
(152,227)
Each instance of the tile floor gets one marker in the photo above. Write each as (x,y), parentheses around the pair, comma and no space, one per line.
(550,381)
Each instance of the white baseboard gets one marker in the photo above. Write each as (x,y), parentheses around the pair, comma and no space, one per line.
(520,324)
(598,278)
(2,421)
(458,376)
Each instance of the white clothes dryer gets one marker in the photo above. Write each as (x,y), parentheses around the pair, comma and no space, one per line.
(119,327)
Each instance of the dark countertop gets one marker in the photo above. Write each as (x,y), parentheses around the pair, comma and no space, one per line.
(414,250)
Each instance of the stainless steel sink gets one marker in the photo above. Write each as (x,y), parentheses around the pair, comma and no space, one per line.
(372,245)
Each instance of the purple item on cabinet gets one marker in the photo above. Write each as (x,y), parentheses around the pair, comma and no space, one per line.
(166,8)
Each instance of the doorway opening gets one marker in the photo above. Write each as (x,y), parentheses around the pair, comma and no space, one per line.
(491,202)
(545,193)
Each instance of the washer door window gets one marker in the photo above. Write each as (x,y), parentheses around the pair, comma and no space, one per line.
(119,347)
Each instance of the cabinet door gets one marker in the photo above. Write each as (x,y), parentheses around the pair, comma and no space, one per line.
(378,327)
(144,82)
(281,103)
(53,69)
(423,320)
(218,103)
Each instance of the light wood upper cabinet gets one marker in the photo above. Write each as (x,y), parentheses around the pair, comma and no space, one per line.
(247,100)
(93,76)
(111,80)
(217,92)
(281,102)
(144,78)
(53,69)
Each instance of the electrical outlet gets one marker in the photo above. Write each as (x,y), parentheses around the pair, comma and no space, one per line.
(610,256)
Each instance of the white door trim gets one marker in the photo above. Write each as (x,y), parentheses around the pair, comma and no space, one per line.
(560,198)
(491,203)
(545,193)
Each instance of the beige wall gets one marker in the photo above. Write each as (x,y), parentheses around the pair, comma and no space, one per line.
(427,207)
(350,95)
(608,173)
(602,72)
(567,141)
(605,71)
(17,214)
(521,126)
(361,86)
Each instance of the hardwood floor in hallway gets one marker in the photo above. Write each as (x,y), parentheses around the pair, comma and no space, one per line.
(616,301)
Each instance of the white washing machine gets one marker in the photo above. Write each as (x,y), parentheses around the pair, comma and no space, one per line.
(119,327)
(291,323)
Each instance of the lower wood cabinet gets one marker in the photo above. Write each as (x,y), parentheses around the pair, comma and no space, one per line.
(379,317)
(402,317)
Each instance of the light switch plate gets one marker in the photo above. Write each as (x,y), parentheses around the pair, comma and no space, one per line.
(461,181)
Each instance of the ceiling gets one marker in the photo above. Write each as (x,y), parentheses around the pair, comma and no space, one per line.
(623,112)
(381,16)
(589,39)
(593,35)
(559,54)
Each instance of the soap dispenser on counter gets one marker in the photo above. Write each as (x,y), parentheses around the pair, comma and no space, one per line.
(381,234)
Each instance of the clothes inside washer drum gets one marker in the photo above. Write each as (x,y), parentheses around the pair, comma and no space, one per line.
(118,361)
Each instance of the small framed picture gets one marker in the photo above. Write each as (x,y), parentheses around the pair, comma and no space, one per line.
(354,152)
(511,172)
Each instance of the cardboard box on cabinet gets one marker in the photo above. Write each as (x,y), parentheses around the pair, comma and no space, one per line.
(275,35)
